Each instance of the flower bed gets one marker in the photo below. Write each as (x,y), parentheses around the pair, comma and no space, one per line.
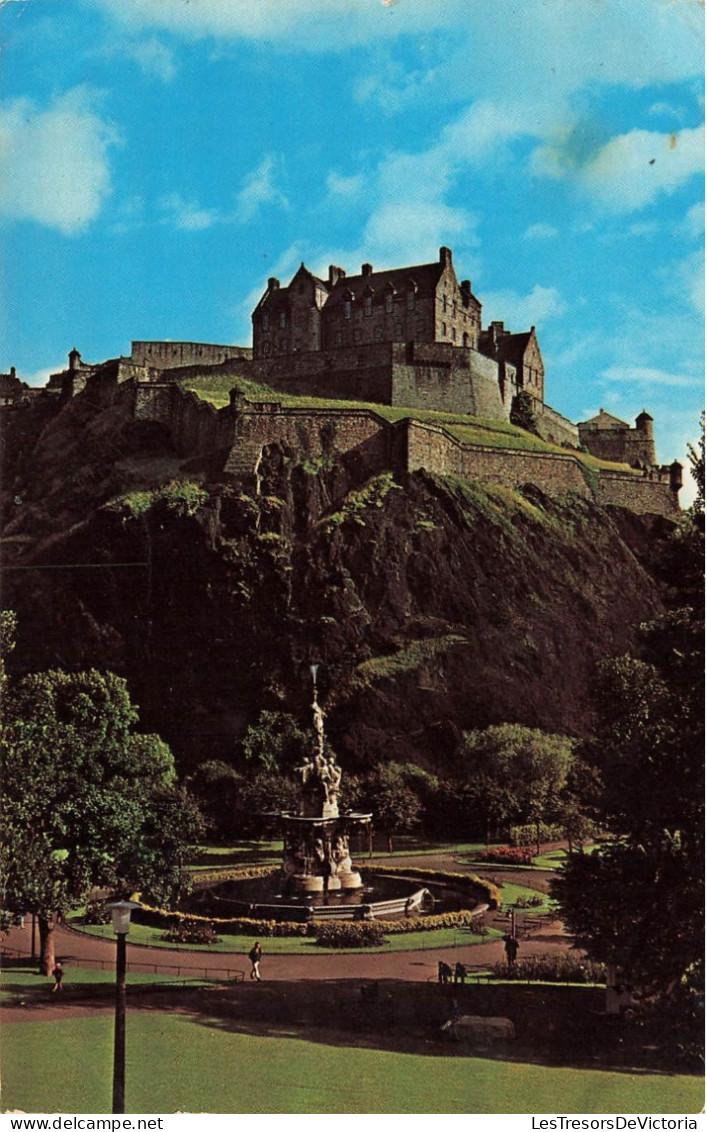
(518,855)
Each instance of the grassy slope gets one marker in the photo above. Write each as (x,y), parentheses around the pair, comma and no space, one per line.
(182,1063)
(494,434)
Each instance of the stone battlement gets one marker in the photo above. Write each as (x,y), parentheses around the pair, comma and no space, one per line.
(367,444)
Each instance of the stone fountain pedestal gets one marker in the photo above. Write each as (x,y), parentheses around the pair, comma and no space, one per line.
(316,856)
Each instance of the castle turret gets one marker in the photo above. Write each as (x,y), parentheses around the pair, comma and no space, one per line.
(676,475)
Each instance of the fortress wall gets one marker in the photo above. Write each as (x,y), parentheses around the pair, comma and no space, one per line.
(232,367)
(640,494)
(362,440)
(349,373)
(166,355)
(552,426)
(621,446)
(434,449)
(449,379)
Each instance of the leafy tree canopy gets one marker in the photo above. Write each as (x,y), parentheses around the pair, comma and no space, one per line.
(86,800)
(520,771)
(276,742)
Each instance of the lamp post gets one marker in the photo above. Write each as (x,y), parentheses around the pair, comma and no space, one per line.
(120,912)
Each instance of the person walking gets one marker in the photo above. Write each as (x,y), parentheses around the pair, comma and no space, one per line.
(58,975)
(511,946)
(255,955)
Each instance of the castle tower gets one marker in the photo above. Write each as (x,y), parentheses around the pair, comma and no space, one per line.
(645,442)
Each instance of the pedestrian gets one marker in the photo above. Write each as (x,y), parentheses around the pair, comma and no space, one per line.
(255,955)
(58,975)
(444,972)
(459,973)
(511,946)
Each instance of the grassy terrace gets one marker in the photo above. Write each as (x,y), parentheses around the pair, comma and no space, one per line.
(468,429)
(193,1063)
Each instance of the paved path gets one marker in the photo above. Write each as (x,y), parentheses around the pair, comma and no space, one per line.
(417,966)
(414,966)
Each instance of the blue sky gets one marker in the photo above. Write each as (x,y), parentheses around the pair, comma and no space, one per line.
(161,158)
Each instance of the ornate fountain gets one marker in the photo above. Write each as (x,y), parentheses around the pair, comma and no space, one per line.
(316,855)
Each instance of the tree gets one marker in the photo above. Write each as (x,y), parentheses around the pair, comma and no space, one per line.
(638,902)
(523,412)
(276,742)
(389,794)
(696,456)
(520,772)
(87,800)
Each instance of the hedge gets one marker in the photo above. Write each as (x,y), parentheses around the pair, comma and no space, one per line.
(486,892)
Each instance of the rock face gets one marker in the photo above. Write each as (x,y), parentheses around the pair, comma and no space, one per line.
(432,605)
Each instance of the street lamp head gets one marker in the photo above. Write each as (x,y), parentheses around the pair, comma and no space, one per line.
(120,911)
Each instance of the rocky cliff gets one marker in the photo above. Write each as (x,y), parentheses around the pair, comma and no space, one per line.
(432,605)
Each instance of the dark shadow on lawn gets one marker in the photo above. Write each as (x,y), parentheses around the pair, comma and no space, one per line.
(555,1025)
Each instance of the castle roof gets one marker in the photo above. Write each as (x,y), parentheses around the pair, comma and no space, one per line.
(605,420)
(424,277)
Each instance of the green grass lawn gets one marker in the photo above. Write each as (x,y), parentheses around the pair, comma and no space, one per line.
(25,985)
(240,945)
(178,1062)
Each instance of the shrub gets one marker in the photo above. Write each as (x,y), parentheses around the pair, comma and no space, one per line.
(96,913)
(350,933)
(552,969)
(532,901)
(519,855)
(191,931)
(531,834)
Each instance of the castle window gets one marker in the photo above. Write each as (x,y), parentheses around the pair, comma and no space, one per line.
(411,299)
(389,302)
(338,337)
(454,334)
(444,303)
(444,330)
(347,309)
(283,320)
(357,334)
(368,305)
(378,333)
(265,324)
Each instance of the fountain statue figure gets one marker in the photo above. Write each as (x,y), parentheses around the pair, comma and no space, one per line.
(316,856)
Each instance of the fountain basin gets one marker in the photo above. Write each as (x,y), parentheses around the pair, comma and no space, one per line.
(379,896)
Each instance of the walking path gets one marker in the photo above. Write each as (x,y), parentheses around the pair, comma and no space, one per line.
(412,965)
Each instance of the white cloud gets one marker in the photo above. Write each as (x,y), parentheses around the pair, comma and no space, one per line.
(187,215)
(338,185)
(406,231)
(520,312)
(540,231)
(695,221)
(314,26)
(259,189)
(629,171)
(645,375)
(55,162)
(690,277)
(153,57)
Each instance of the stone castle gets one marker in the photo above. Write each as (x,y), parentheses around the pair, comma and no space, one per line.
(411,337)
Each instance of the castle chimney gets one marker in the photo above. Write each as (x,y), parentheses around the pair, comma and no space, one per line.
(366,269)
(13,371)
(445,257)
(74,359)
(273,283)
(335,274)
